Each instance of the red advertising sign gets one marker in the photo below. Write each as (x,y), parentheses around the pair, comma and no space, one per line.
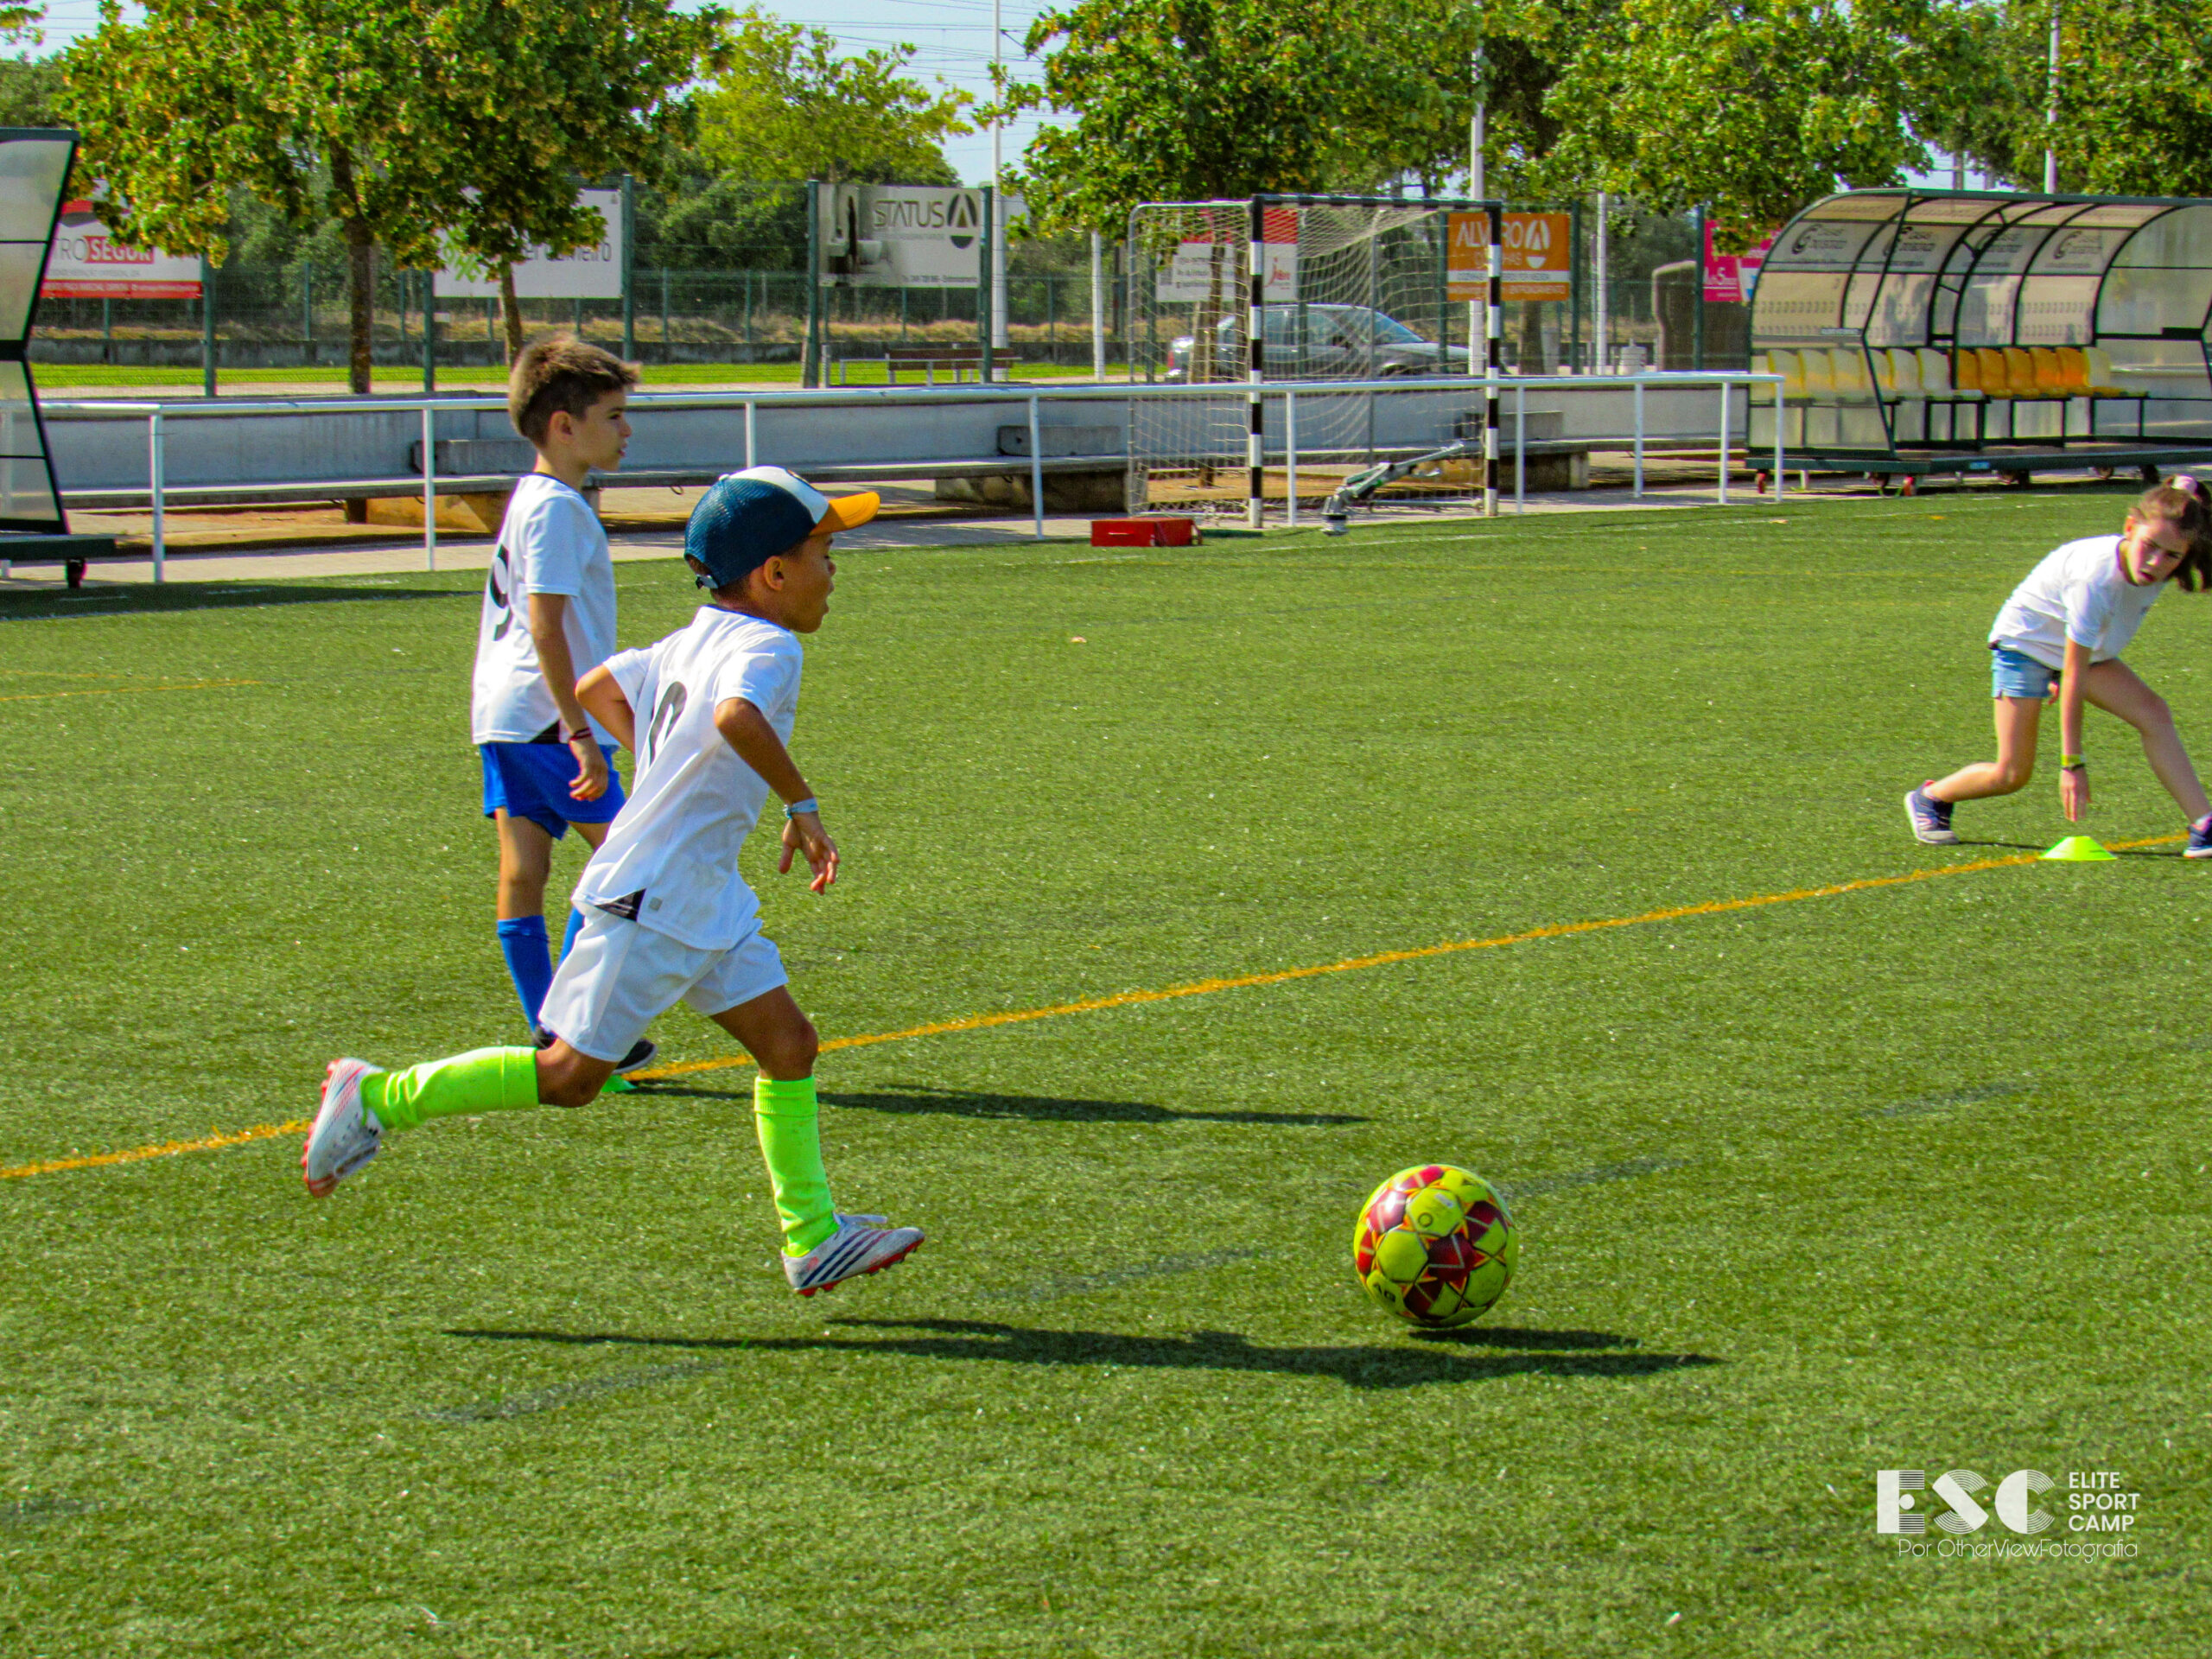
(87,264)
(1729,276)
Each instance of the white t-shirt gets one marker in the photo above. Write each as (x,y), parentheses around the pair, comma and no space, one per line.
(550,541)
(673,849)
(2077,592)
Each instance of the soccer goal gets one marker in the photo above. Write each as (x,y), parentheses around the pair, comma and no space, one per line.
(1241,293)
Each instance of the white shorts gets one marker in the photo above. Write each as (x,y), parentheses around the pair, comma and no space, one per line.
(620,977)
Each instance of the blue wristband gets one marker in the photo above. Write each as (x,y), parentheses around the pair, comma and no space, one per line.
(810,804)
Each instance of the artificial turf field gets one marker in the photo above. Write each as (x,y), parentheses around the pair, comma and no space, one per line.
(1909,1175)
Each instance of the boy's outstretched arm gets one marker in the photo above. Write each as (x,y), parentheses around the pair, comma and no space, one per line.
(601,696)
(745,729)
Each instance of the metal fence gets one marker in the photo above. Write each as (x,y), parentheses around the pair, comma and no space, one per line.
(1616,411)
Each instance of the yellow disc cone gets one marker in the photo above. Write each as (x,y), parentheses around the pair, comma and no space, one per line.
(2078,849)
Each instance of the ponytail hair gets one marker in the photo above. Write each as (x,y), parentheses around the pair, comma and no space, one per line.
(2182,502)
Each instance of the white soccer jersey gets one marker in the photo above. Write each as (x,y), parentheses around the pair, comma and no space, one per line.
(2077,592)
(550,541)
(672,852)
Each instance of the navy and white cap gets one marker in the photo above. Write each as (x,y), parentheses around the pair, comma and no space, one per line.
(749,518)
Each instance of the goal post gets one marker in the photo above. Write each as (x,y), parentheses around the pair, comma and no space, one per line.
(1241,293)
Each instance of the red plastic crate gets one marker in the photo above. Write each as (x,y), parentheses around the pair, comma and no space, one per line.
(1155,531)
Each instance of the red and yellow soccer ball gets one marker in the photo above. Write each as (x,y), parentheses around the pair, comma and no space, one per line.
(1435,1245)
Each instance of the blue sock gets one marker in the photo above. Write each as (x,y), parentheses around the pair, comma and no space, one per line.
(530,963)
(568,938)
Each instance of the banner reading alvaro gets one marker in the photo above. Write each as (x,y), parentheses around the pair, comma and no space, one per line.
(87,264)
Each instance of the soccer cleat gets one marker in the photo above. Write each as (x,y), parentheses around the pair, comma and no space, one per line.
(2199,840)
(854,1249)
(1931,818)
(346,1133)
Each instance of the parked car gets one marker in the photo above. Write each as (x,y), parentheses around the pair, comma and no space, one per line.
(1336,342)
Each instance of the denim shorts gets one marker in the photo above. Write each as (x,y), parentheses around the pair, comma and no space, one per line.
(2014,674)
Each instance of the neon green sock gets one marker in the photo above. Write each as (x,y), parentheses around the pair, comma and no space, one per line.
(786,1115)
(482,1080)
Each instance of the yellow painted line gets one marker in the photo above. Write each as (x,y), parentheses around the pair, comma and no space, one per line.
(1381,959)
(1133,998)
(125,691)
(167,1149)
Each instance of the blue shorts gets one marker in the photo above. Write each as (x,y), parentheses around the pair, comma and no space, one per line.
(2015,674)
(531,780)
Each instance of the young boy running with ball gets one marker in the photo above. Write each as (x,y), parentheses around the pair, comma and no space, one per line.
(706,712)
(548,619)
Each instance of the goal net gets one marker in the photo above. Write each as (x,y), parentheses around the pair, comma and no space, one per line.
(1354,288)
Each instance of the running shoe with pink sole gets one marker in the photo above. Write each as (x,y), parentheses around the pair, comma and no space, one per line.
(346,1133)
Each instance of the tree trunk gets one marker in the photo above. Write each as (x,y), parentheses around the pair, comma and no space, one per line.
(510,314)
(361,296)
(360,277)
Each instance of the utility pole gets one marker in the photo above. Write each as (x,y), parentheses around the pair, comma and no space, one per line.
(1478,358)
(998,337)
(1601,320)
(2050,112)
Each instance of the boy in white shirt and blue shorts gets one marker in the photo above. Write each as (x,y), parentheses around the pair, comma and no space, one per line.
(708,713)
(2058,640)
(548,619)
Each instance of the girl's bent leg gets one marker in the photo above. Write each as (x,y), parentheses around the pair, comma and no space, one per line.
(2017,719)
(2118,689)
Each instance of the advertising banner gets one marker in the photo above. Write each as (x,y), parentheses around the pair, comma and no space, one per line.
(87,264)
(904,235)
(1534,264)
(1187,277)
(1731,277)
(590,273)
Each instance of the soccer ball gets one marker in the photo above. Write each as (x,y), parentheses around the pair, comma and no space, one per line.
(1435,1245)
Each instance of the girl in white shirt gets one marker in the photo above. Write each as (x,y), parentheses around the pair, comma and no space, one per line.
(2059,639)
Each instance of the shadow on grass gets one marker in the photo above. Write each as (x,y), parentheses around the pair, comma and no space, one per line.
(1372,1366)
(144,599)
(1513,1336)
(1042,1109)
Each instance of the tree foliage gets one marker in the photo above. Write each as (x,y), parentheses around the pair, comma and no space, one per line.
(2134,97)
(1752,106)
(400,121)
(786,106)
(1184,100)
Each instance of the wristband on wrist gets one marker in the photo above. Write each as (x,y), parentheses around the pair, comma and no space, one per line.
(793,809)
(583,736)
(2073,763)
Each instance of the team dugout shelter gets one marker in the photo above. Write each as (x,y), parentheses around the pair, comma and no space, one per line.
(1944,331)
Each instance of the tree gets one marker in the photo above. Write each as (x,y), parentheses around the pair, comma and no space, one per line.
(532,94)
(2134,108)
(785,106)
(1754,106)
(1184,100)
(400,121)
(301,104)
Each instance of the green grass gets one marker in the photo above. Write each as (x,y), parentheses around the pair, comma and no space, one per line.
(1908,1177)
(60,379)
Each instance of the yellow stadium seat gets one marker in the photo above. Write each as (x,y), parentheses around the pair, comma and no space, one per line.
(2020,373)
(2050,378)
(2073,370)
(1996,375)
(1847,373)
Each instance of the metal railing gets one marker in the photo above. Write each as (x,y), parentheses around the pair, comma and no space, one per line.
(157,416)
